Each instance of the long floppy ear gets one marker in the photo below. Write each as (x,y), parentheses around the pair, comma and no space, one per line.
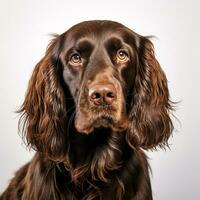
(150,120)
(43,115)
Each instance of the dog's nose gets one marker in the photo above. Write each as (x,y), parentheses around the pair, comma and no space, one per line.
(102,94)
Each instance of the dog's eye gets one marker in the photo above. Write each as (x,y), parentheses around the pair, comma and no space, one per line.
(122,56)
(76,59)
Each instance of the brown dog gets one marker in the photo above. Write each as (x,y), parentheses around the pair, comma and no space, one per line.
(94,101)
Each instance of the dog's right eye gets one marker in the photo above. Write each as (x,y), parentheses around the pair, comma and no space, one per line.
(75,59)
(122,56)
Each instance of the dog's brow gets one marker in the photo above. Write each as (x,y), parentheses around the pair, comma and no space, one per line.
(114,41)
(84,45)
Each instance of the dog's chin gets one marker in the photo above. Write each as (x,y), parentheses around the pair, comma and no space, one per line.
(102,122)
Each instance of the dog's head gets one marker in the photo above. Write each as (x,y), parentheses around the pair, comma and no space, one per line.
(114,79)
(99,65)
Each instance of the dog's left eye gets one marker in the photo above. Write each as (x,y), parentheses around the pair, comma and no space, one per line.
(122,56)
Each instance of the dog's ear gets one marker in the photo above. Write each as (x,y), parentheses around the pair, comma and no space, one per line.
(43,112)
(150,124)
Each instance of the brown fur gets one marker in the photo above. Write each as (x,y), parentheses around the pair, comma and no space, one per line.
(84,151)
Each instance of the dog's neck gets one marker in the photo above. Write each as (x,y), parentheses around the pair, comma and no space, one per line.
(96,154)
(84,147)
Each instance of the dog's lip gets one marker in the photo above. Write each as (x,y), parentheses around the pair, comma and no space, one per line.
(115,125)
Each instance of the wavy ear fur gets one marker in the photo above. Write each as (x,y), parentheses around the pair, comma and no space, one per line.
(43,110)
(150,124)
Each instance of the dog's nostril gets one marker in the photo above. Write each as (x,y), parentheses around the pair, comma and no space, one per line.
(110,95)
(95,95)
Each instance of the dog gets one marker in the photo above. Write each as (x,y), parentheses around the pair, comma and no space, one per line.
(95,101)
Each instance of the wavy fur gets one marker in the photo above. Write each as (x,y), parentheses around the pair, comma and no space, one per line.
(106,164)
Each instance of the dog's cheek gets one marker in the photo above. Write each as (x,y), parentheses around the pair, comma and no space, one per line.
(82,122)
(72,81)
(82,110)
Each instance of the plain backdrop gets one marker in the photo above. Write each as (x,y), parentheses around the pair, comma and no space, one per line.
(24,34)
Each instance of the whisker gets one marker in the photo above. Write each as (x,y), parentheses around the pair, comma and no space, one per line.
(68,98)
(70,109)
(70,121)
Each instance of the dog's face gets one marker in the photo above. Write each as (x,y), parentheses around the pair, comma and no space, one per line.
(115,81)
(99,66)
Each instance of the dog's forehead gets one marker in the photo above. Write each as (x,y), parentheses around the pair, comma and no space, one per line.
(96,32)
(96,26)
(95,29)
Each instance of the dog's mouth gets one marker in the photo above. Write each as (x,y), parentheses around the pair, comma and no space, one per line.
(90,117)
(86,124)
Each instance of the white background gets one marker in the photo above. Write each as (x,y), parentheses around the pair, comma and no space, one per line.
(24,29)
